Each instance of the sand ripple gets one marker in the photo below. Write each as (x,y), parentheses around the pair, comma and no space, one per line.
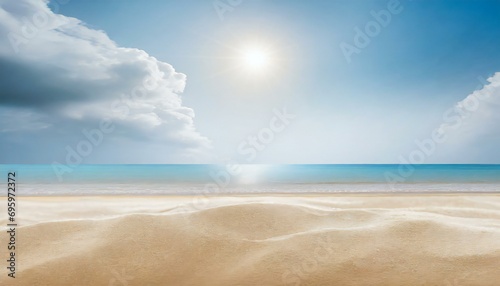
(424,240)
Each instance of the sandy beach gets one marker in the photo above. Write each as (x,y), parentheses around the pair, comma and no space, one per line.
(257,240)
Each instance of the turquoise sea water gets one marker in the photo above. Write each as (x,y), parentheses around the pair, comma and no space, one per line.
(192,179)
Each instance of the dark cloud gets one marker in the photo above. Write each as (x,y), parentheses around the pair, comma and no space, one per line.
(62,77)
(34,85)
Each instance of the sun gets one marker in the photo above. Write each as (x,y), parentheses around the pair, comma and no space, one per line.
(255,59)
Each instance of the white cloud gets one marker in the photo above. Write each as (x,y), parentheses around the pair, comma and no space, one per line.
(471,126)
(59,71)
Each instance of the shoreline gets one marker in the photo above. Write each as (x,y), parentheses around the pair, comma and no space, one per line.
(263,195)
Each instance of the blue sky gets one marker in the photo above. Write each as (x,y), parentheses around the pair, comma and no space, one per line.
(427,59)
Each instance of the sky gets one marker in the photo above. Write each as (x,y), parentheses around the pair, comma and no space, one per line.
(249,81)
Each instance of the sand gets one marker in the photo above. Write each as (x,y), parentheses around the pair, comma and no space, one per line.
(274,240)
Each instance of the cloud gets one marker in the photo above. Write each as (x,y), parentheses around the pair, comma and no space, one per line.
(471,126)
(58,76)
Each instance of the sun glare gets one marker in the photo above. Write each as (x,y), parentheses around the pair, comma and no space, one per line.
(255,59)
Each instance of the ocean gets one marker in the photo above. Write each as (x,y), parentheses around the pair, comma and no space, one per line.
(46,180)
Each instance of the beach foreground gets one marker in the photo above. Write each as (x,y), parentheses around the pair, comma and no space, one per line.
(257,240)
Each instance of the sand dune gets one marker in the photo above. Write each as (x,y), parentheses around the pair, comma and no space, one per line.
(315,240)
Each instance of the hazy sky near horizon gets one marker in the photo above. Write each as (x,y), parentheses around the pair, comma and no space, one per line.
(211,81)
